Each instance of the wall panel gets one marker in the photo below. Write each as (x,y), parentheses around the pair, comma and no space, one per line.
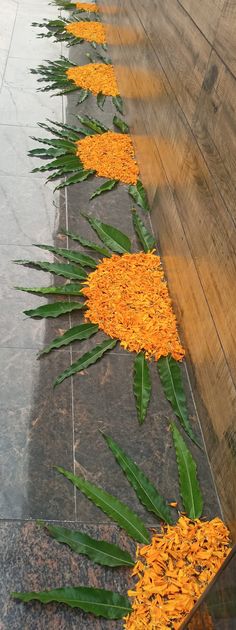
(175,72)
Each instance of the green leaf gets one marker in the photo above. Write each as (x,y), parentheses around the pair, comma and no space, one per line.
(120,124)
(145,237)
(189,484)
(93,123)
(98,601)
(171,380)
(117,101)
(108,185)
(83,94)
(101,100)
(54,310)
(83,241)
(81,176)
(46,153)
(110,505)
(59,269)
(145,490)
(114,239)
(98,551)
(86,360)
(65,289)
(138,193)
(77,333)
(69,254)
(142,386)
(70,162)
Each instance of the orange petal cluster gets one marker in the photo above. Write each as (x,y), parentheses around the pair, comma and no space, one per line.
(90,31)
(89,7)
(111,155)
(174,570)
(128,298)
(96,77)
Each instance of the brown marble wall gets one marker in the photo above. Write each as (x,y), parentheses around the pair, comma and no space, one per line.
(176,68)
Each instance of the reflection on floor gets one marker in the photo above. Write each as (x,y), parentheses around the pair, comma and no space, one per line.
(217,607)
(41,427)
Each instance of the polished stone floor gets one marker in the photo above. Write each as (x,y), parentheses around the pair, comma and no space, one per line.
(41,427)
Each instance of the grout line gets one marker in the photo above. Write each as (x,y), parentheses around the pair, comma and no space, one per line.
(8,54)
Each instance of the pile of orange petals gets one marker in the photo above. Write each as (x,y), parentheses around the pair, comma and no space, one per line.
(111,155)
(174,570)
(91,31)
(89,7)
(128,298)
(96,77)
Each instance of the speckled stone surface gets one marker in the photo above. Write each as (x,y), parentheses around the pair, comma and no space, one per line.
(41,427)
(30,559)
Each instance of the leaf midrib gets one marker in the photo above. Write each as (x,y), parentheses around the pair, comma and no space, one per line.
(189,478)
(124,251)
(87,546)
(122,516)
(72,603)
(139,483)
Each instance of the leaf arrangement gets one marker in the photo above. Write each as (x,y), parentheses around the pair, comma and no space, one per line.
(113,242)
(57,30)
(70,6)
(62,162)
(55,74)
(101,602)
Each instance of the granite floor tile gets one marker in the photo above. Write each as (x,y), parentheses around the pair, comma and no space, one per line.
(29,212)
(16,142)
(8,16)
(103,400)
(25,37)
(3,60)
(18,73)
(31,560)
(36,434)
(23,106)
(112,207)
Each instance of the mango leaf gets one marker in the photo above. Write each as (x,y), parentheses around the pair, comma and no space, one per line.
(189,484)
(69,162)
(86,360)
(114,239)
(68,147)
(83,94)
(73,256)
(171,380)
(110,505)
(142,386)
(54,310)
(76,333)
(117,101)
(93,123)
(59,269)
(145,490)
(98,601)
(65,289)
(101,100)
(145,237)
(138,193)
(108,185)
(46,153)
(90,244)
(120,124)
(81,176)
(98,551)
